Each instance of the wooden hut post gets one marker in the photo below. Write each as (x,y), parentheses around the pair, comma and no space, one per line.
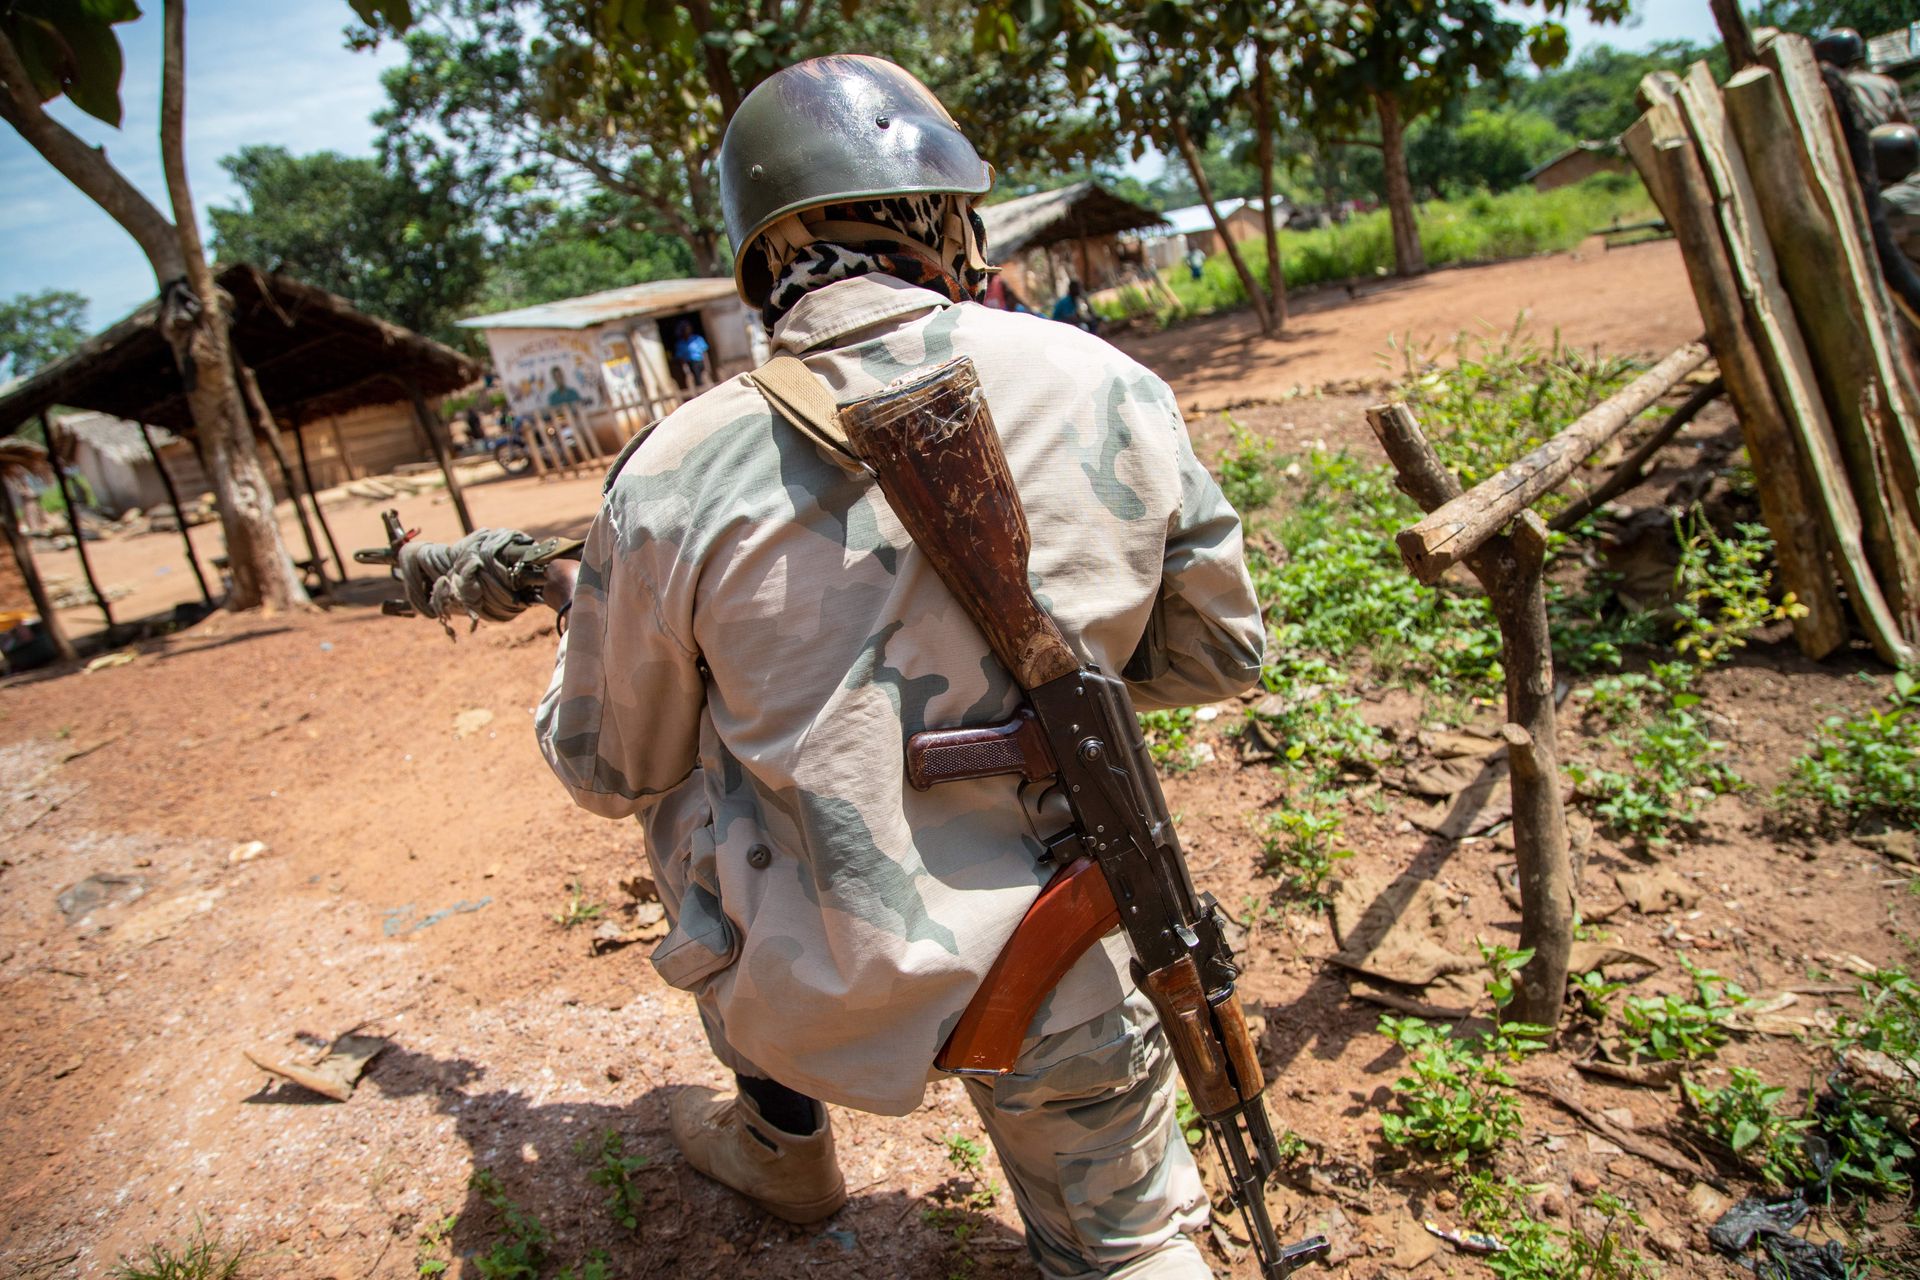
(1511,568)
(340,447)
(73,522)
(306,478)
(269,430)
(36,590)
(430,424)
(179,514)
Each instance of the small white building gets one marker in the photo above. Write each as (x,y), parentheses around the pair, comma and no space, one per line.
(608,357)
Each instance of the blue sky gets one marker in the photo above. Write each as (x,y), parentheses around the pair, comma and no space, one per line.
(277,71)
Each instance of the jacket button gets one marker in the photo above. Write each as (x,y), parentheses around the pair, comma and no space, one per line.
(759,856)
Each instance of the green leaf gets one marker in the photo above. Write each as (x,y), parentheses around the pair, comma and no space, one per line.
(1745,1132)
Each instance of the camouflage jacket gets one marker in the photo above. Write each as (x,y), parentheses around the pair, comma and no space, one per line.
(754,637)
(1902,203)
(1876,98)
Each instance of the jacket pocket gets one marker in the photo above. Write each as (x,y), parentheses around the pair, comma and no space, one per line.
(702,941)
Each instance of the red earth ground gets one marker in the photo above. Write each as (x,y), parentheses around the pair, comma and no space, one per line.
(417,854)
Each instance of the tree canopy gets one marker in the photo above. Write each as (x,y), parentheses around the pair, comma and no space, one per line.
(397,244)
(38,328)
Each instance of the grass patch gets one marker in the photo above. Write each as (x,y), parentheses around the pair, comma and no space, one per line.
(1477,228)
(199,1257)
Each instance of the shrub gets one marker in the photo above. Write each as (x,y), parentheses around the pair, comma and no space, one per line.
(1455,1102)
(1677,1026)
(1743,1116)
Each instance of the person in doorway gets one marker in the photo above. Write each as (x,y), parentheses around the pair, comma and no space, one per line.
(751,638)
(1074,309)
(691,351)
(1875,97)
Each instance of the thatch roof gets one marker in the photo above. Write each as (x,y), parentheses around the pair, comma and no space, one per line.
(313,353)
(1085,210)
(23,456)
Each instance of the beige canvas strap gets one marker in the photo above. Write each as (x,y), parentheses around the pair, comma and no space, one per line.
(800,397)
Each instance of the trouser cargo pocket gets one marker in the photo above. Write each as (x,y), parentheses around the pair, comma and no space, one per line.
(702,941)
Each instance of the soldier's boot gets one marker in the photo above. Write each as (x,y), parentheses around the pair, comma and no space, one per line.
(791,1176)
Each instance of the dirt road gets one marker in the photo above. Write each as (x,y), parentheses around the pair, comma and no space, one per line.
(1632,301)
(416,855)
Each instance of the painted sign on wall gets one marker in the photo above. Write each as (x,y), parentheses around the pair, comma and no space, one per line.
(545,369)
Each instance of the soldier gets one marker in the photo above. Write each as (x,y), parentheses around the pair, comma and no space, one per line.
(1896,159)
(1875,97)
(752,637)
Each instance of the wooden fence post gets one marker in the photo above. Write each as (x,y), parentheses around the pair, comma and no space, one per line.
(1510,567)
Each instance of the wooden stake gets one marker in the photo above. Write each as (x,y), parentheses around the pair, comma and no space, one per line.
(430,426)
(313,495)
(73,522)
(1892,543)
(1452,532)
(1510,568)
(1733,30)
(1630,472)
(1789,501)
(179,514)
(36,590)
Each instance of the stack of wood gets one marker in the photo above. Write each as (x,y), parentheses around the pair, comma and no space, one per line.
(1754,178)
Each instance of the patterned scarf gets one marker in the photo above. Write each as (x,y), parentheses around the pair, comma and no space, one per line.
(946,266)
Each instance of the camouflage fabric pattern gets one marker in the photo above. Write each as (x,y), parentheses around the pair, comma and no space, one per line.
(1876,98)
(1086,1131)
(754,637)
(1902,202)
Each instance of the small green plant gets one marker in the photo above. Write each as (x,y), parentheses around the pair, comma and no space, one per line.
(1455,1102)
(1869,765)
(1678,1026)
(1247,470)
(1672,776)
(1300,847)
(1169,736)
(1744,1116)
(521,1251)
(1889,1024)
(579,908)
(1866,1133)
(1594,994)
(199,1257)
(1533,1250)
(433,1239)
(963,1199)
(1188,1118)
(596,1267)
(1309,721)
(615,1171)
(1725,588)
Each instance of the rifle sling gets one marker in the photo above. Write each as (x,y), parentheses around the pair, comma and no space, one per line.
(800,397)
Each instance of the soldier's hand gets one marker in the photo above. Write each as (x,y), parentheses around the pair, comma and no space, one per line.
(468,576)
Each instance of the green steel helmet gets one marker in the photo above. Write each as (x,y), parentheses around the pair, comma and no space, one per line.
(828,131)
(1842,47)
(1896,151)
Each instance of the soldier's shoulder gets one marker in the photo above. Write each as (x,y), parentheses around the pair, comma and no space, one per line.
(1028,332)
(693,428)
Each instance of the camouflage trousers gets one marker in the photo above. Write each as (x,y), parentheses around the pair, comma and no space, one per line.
(1084,1126)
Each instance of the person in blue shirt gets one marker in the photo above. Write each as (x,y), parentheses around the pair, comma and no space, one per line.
(1074,309)
(690,350)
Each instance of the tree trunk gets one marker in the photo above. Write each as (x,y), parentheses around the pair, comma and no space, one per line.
(1408,260)
(201,339)
(1255,295)
(1263,130)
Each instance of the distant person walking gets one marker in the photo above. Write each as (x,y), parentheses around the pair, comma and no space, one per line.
(1196,262)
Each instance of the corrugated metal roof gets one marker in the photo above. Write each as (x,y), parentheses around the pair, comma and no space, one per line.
(1196,218)
(614,304)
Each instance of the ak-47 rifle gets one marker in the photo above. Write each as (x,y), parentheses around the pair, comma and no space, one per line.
(932,446)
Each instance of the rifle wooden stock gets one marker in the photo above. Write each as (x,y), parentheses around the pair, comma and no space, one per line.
(1071,914)
(933,447)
